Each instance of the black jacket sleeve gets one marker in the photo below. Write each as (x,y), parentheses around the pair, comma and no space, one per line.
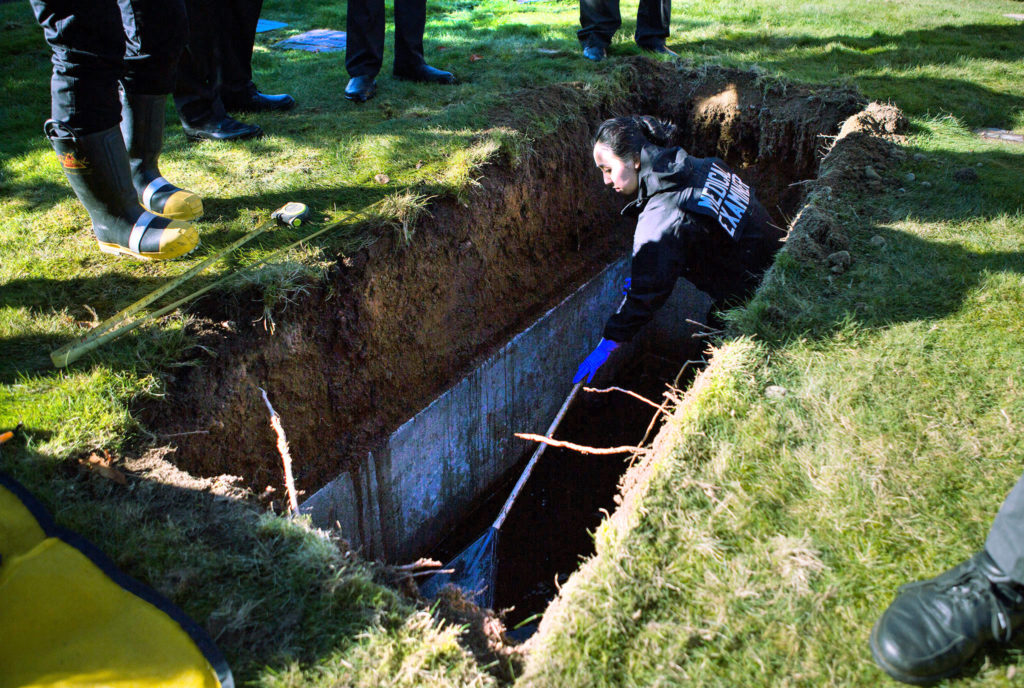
(658,261)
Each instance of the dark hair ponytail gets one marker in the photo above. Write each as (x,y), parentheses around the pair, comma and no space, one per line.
(625,136)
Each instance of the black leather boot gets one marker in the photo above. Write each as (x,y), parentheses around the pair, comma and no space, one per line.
(360,88)
(223,128)
(935,627)
(98,170)
(425,74)
(250,99)
(142,124)
(658,48)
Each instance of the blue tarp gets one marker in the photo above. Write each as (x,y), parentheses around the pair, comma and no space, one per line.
(268,25)
(315,41)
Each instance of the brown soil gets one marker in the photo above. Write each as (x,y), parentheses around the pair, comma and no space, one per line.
(397,324)
(858,162)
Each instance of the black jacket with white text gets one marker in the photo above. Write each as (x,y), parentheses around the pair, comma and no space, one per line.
(679,198)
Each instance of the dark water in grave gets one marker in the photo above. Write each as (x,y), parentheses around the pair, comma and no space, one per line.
(549,530)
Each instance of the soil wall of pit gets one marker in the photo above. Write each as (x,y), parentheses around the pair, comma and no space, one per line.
(399,323)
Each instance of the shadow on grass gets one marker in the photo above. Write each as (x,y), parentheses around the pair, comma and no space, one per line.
(268,592)
(896,276)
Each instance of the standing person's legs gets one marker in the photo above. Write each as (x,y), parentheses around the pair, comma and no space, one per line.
(88,47)
(88,42)
(155,32)
(238,91)
(410,22)
(197,90)
(934,628)
(151,60)
(236,51)
(599,20)
(364,48)
(652,24)
(410,65)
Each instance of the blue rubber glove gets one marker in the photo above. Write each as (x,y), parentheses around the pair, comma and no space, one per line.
(626,285)
(595,360)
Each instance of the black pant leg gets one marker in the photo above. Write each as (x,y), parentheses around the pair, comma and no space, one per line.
(599,19)
(88,47)
(1005,541)
(652,22)
(155,32)
(197,86)
(364,48)
(237,49)
(410,22)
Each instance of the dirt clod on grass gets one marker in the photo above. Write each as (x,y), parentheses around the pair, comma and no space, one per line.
(966,175)
(815,232)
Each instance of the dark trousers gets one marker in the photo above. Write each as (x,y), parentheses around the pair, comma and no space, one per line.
(600,20)
(364,51)
(218,57)
(1005,541)
(98,43)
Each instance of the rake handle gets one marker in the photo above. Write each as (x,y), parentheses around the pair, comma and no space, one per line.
(533,459)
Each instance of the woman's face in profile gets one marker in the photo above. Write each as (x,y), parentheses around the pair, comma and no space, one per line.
(619,174)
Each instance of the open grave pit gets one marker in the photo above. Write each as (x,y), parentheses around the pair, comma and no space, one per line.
(401,322)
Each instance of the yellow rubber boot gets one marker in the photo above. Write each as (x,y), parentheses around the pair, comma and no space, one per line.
(142,125)
(97,168)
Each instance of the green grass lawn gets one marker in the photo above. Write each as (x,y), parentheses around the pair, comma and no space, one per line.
(774,532)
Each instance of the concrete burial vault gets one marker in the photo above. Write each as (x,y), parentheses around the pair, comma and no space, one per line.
(432,469)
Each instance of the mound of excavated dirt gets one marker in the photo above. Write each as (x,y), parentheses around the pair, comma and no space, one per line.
(859,161)
(815,232)
(878,119)
(397,324)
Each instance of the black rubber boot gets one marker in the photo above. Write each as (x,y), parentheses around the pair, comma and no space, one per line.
(936,627)
(97,168)
(142,124)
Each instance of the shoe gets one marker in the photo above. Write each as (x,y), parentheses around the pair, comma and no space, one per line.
(360,88)
(97,167)
(224,129)
(425,74)
(142,125)
(251,100)
(594,52)
(658,49)
(935,627)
